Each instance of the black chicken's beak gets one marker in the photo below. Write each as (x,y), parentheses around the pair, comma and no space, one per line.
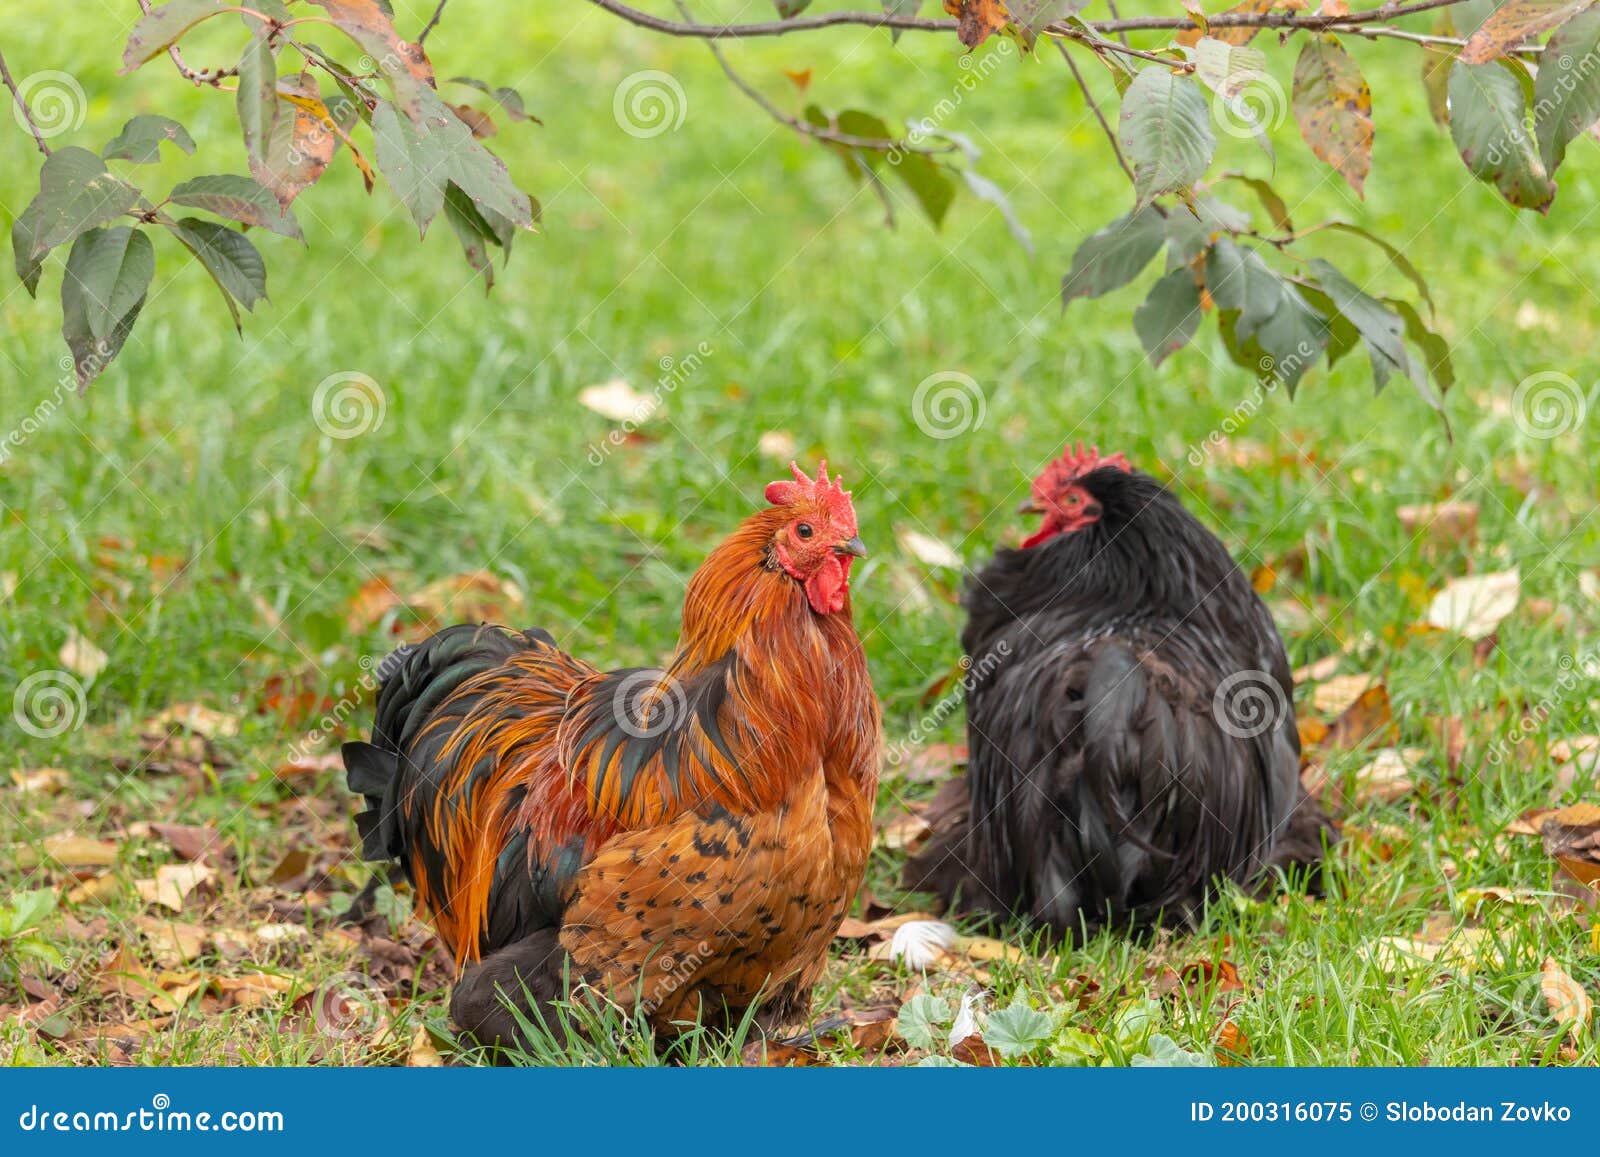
(855,546)
(1029,505)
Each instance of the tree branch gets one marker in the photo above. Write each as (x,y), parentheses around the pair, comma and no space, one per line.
(27,113)
(804,127)
(433,22)
(1284,20)
(195,76)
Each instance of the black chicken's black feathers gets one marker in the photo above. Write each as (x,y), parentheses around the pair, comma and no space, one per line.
(1130,726)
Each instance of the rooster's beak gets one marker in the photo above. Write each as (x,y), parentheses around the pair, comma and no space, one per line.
(1030,505)
(855,546)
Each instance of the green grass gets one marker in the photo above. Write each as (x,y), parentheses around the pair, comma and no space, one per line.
(189,517)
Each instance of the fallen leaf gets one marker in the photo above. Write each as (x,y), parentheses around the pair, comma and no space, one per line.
(81,657)
(423,1053)
(204,721)
(777,1054)
(925,548)
(1572,839)
(100,887)
(1336,695)
(39,780)
(1569,1003)
(1474,900)
(1463,949)
(187,841)
(1233,1047)
(776,444)
(1390,776)
(67,851)
(172,884)
(1475,605)
(1323,668)
(905,832)
(1369,717)
(617,401)
(1451,523)
(171,943)
(974,1051)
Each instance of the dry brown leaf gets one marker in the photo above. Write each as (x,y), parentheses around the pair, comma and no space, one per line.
(1475,605)
(423,1053)
(67,851)
(1336,695)
(1448,522)
(617,401)
(905,832)
(1463,949)
(1368,718)
(99,887)
(1572,839)
(172,884)
(187,841)
(976,19)
(1315,672)
(171,943)
(1568,1002)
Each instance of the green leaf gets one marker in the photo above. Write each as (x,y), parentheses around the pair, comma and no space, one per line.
(1114,256)
(113,274)
(1169,316)
(421,158)
(141,138)
(476,232)
(1265,322)
(230,258)
(237,198)
(1381,328)
(1019,1030)
(900,8)
(921,1019)
(76,194)
(1333,107)
(1487,110)
(164,25)
(1191,228)
(1514,22)
(508,99)
(1032,17)
(1162,1052)
(1342,336)
(929,183)
(257,97)
(29,909)
(31,947)
(1166,133)
(1567,88)
(788,8)
(1400,260)
(84,291)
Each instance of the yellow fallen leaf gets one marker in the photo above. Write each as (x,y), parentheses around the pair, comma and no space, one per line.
(1323,668)
(1568,1002)
(423,1054)
(619,401)
(39,780)
(68,851)
(1464,949)
(198,718)
(82,657)
(1390,776)
(1335,696)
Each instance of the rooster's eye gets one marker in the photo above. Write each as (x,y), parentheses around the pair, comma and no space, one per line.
(1073,499)
(804,530)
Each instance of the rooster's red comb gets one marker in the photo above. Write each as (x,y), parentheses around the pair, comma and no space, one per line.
(831,496)
(1074,464)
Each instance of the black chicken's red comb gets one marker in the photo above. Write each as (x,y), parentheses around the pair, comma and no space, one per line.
(1074,463)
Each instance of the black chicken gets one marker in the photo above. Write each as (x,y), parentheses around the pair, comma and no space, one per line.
(1129,718)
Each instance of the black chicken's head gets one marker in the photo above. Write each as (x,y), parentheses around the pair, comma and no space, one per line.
(1068,492)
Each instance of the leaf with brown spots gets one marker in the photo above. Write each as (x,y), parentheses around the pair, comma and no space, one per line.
(1366,718)
(1333,107)
(977,19)
(1515,22)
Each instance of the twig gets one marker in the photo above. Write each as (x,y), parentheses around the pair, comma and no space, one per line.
(27,113)
(832,136)
(1115,15)
(433,22)
(1284,20)
(1094,107)
(195,76)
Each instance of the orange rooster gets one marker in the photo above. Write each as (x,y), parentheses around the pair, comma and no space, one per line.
(685,839)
